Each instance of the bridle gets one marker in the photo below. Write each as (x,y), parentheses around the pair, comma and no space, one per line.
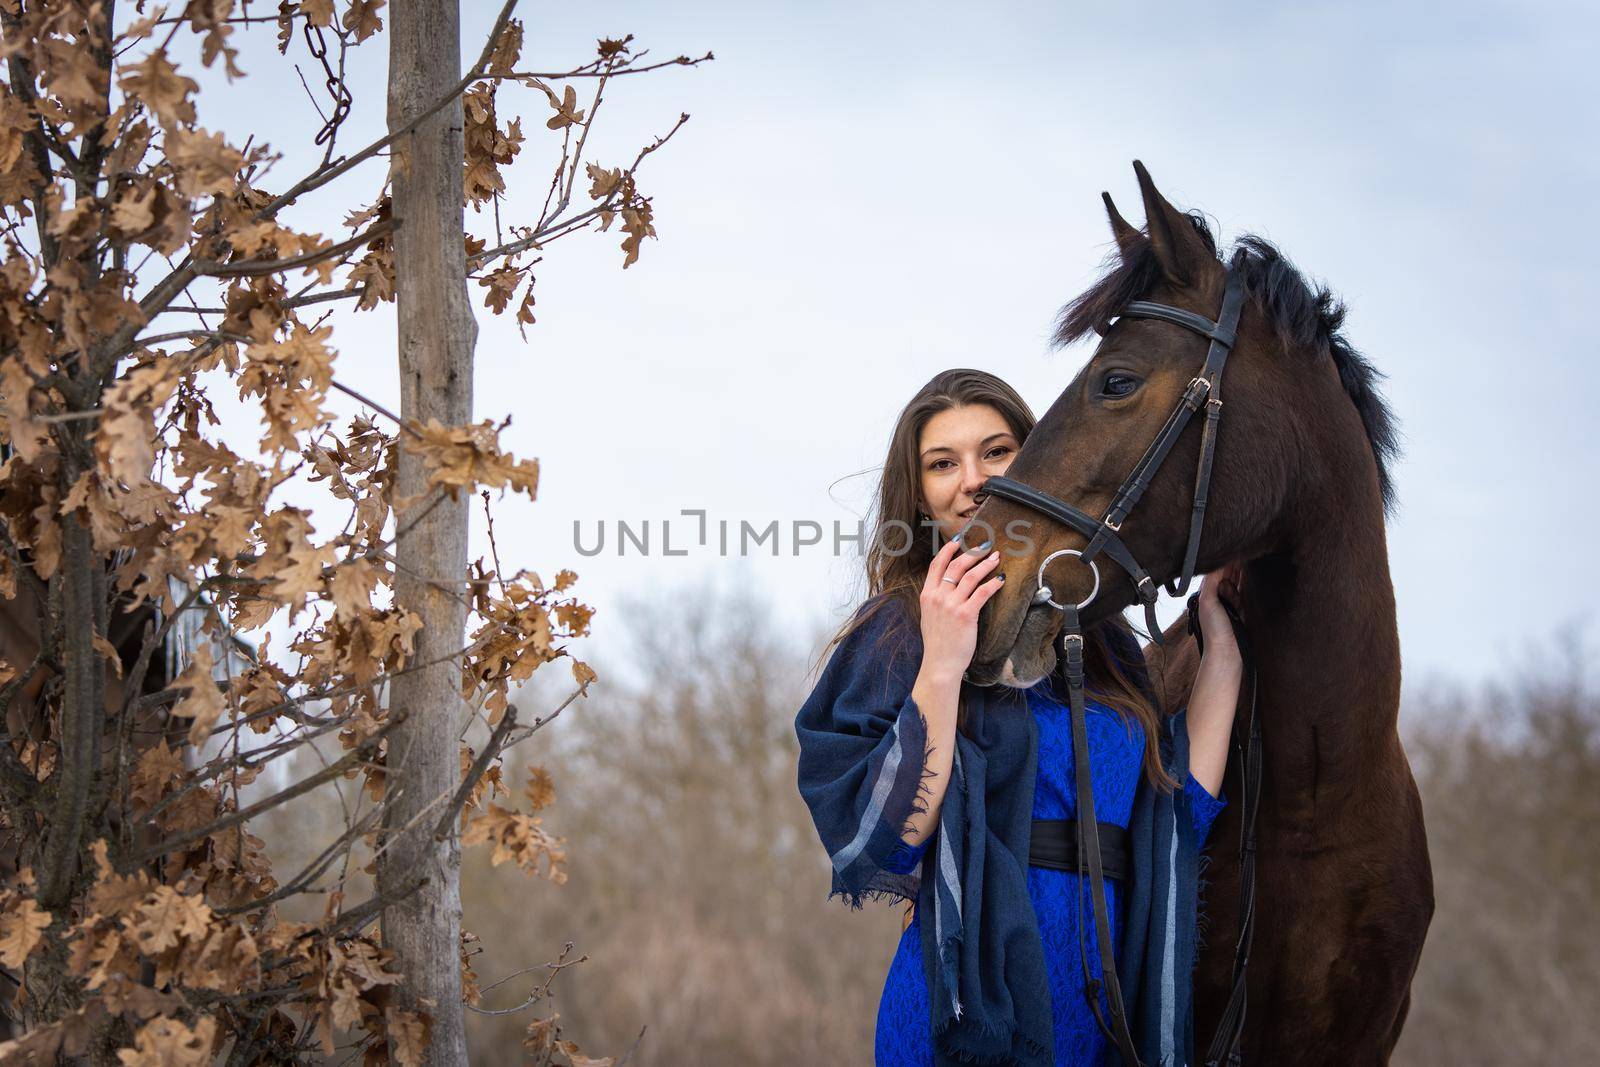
(1105,533)
(1105,536)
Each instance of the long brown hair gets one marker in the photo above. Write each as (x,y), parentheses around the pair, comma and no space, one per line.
(895,575)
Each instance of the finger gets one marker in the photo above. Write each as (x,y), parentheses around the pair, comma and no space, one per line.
(981,595)
(1231,576)
(965,561)
(941,560)
(977,573)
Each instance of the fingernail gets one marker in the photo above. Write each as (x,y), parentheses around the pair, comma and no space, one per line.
(983,546)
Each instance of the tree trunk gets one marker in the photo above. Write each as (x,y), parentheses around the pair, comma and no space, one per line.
(437,333)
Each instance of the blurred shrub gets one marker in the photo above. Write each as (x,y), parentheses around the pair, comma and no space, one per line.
(1510,781)
(697,886)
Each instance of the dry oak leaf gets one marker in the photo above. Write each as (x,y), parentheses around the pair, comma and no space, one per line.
(637,225)
(519,838)
(114,895)
(70,73)
(409,1033)
(502,286)
(226,962)
(28,436)
(567,110)
(124,995)
(351,585)
(158,85)
(362,17)
(470,456)
(541,788)
(22,927)
(507,49)
(167,1042)
(159,768)
(318,12)
(575,617)
(603,182)
(165,916)
(205,162)
(205,702)
(134,210)
(470,992)
(39,758)
(492,782)
(104,957)
(536,1038)
(126,438)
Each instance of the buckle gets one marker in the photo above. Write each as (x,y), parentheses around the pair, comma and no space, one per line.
(1213,404)
(1114,527)
(1198,387)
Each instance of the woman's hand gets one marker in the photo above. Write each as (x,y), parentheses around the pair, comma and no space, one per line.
(958,585)
(1215,627)
(956,588)
(1216,683)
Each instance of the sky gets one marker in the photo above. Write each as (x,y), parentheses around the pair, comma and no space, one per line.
(869,193)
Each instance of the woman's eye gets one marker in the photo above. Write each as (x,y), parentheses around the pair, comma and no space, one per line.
(939,464)
(1117,385)
(999,451)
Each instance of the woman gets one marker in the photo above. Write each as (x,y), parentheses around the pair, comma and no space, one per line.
(898,754)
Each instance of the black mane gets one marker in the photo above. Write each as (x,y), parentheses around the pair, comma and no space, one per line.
(1304,316)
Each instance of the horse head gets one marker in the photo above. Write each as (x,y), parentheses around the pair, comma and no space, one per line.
(1290,429)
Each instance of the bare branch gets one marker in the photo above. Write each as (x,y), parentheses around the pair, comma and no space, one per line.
(596,69)
(365,748)
(305,259)
(491,750)
(565,225)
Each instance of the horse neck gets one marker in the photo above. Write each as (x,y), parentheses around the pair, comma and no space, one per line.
(1328,652)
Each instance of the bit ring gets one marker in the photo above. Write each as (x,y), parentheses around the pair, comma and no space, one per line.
(1042,596)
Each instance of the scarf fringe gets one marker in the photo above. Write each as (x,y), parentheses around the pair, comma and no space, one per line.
(888,886)
(943,1037)
(856,899)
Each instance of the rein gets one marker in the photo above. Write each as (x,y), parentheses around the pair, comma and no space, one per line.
(1230,1028)
(1104,536)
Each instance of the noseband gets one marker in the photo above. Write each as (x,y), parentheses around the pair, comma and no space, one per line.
(1105,535)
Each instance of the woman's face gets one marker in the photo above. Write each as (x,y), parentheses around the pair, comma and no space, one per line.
(959,449)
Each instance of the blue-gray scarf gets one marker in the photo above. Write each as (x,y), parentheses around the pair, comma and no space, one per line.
(863,747)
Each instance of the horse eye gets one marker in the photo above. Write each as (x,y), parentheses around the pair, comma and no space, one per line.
(1119,385)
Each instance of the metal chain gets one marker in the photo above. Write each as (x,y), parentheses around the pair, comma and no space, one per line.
(342,98)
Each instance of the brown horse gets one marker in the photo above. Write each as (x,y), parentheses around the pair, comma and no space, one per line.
(1299,492)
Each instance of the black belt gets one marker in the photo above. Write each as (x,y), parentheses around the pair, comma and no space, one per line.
(1054,844)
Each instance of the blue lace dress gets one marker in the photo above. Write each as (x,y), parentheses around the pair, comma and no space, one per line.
(1116,746)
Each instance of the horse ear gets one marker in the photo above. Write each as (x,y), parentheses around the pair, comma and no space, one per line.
(1127,237)
(1178,249)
